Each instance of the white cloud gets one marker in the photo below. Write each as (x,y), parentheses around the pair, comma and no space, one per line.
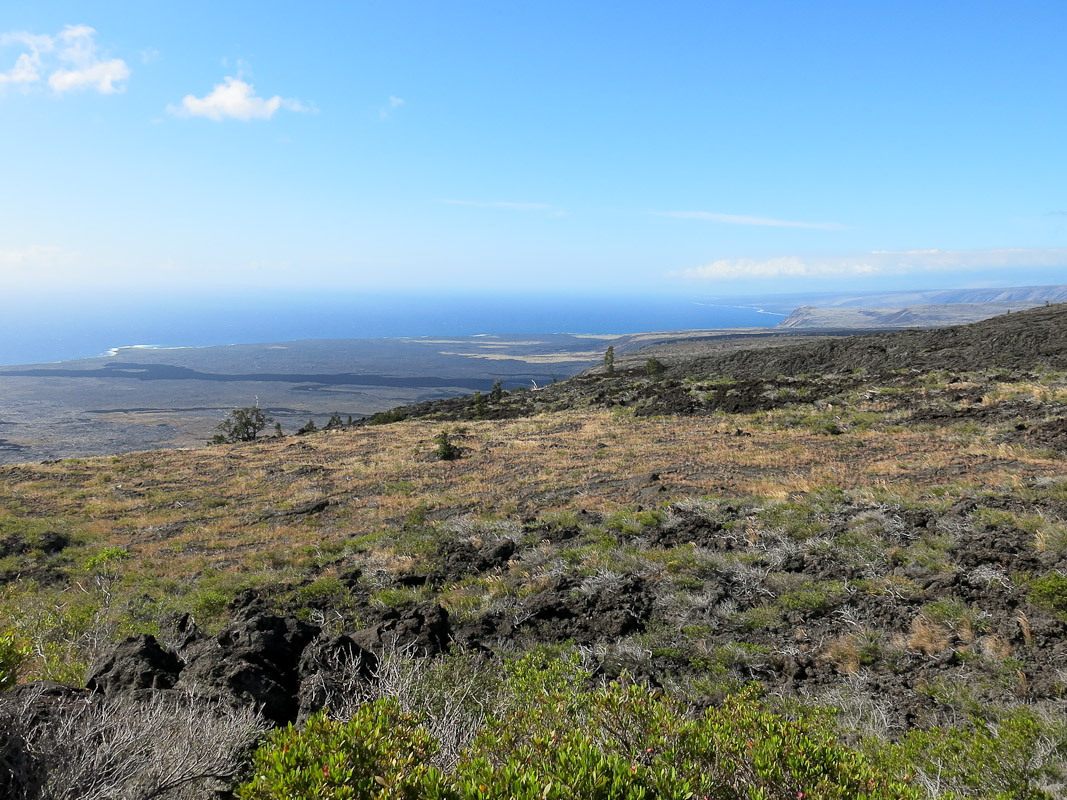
(786,266)
(26,70)
(101,76)
(234,99)
(75,48)
(737,219)
(879,262)
(86,70)
(28,65)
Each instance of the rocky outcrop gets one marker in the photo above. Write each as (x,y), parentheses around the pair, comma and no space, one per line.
(137,662)
(422,629)
(278,665)
(253,661)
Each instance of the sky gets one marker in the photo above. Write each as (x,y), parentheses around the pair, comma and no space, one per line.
(725,148)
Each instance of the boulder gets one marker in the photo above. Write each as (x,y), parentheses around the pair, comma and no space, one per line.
(254,660)
(135,663)
(423,628)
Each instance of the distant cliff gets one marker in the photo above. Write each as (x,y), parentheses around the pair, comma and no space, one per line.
(937,315)
(1015,297)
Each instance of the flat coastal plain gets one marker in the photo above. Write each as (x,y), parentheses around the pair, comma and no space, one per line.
(139,398)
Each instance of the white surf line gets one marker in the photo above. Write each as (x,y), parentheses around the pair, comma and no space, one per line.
(114,351)
(757,309)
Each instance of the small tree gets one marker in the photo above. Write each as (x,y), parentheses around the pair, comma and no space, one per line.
(654,367)
(479,405)
(334,422)
(609,360)
(446,451)
(242,425)
(497,391)
(311,427)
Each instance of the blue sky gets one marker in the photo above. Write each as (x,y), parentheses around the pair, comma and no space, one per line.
(727,148)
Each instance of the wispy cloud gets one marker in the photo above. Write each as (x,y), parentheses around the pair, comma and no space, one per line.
(235,99)
(32,264)
(878,262)
(70,58)
(503,204)
(394,103)
(738,219)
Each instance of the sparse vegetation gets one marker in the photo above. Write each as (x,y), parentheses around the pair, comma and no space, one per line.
(907,571)
(242,425)
(446,449)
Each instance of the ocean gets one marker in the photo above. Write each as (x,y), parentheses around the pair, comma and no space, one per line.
(38,330)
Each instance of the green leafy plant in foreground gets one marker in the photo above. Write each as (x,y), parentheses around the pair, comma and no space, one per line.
(556,740)
(379,753)
(1010,760)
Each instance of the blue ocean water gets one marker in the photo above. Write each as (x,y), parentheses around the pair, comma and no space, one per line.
(39,329)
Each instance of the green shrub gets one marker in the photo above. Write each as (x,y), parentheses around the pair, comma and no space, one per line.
(1050,593)
(387,417)
(12,654)
(209,605)
(446,450)
(379,753)
(562,741)
(812,597)
(1010,760)
(760,617)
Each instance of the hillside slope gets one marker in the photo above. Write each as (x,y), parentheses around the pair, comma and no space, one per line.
(1020,340)
(890,546)
(924,316)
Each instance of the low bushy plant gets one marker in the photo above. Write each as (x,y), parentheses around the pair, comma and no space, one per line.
(13,653)
(387,417)
(379,753)
(555,739)
(1015,759)
(1050,593)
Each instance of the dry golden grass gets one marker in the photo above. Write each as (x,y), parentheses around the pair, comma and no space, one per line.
(928,637)
(843,653)
(193,513)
